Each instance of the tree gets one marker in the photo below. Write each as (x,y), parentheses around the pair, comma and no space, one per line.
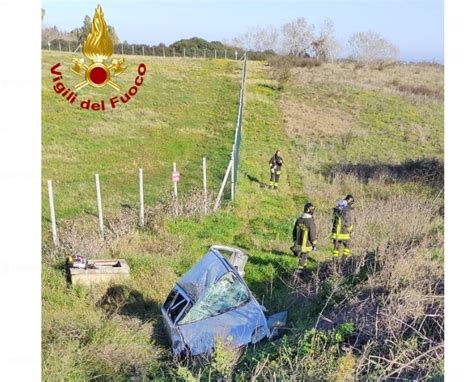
(113,34)
(370,47)
(297,36)
(257,39)
(326,47)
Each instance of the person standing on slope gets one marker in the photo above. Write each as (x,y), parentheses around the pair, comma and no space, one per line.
(304,236)
(276,162)
(342,226)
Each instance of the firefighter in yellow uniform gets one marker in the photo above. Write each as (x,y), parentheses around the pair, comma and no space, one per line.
(276,162)
(342,226)
(304,236)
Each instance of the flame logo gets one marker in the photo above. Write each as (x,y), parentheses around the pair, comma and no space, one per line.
(98,45)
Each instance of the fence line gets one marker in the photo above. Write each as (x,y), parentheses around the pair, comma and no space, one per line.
(142,202)
(232,168)
(99,206)
(134,50)
(53,213)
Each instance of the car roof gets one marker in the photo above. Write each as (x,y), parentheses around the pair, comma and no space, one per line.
(210,268)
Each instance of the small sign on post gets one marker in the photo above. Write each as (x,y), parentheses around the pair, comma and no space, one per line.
(99,206)
(175,178)
(53,214)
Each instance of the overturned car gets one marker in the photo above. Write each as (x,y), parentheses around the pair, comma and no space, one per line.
(212,301)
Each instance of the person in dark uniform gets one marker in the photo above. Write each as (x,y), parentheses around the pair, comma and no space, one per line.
(342,226)
(276,162)
(304,236)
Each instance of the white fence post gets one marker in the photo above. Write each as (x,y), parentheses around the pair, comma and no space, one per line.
(204,183)
(122,49)
(53,214)
(143,50)
(164,54)
(221,191)
(232,176)
(184,52)
(215,53)
(142,203)
(133,50)
(175,186)
(99,206)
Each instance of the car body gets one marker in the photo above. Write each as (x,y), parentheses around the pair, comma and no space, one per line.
(212,301)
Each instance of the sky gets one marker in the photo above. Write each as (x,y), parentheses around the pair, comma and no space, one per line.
(415,26)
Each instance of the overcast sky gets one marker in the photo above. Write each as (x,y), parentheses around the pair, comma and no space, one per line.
(415,26)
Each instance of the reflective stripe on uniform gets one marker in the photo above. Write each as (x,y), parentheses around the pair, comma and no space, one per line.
(340,236)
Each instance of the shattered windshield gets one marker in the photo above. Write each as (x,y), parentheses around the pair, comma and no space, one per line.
(226,293)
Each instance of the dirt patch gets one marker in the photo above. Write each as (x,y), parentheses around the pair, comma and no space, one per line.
(313,121)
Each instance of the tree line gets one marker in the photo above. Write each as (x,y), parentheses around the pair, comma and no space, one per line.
(297,38)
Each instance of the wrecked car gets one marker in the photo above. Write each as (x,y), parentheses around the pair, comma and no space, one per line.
(213,301)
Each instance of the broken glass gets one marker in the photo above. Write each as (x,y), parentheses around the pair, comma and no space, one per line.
(225,294)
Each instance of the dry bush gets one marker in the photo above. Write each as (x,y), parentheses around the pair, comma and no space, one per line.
(421,89)
(392,289)
(280,62)
(415,80)
(77,237)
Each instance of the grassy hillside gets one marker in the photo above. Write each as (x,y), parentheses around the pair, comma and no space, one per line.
(184,110)
(339,132)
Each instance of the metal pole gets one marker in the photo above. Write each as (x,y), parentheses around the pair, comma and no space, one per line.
(175,186)
(143,50)
(122,49)
(53,214)
(232,176)
(142,203)
(225,53)
(184,52)
(236,53)
(204,183)
(69,46)
(164,55)
(153,51)
(174,52)
(133,50)
(60,46)
(215,53)
(195,54)
(221,191)
(99,206)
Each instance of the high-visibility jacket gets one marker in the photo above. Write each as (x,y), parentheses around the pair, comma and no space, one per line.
(304,233)
(275,164)
(342,223)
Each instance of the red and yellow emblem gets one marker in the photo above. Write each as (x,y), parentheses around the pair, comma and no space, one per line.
(98,48)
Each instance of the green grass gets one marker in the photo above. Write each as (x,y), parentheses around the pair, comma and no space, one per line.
(187,110)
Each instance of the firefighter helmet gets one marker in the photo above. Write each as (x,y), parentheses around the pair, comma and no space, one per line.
(350,199)
(308,208)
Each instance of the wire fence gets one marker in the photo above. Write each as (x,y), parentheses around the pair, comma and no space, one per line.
(146,50)
(233,165)
(231,170)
